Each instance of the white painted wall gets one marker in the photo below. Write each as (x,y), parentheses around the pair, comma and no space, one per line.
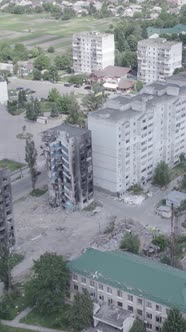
(3,92)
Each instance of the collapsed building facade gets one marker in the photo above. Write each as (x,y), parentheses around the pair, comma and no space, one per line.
(7,235)
(69,163)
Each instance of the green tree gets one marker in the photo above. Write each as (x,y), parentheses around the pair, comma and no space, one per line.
(53,74)
(139,86)
(138,326)
(51,49)
(174,322)
(20,52)
(75,116)
(131,243)
(53,95)
(49,284)
(63,62)
(33,109)
(93,101)
(77,79)
(54,111)
(36,74)
(161,241)
(21,98)
(161,174)
(31,159)
(42,62)
(81,313)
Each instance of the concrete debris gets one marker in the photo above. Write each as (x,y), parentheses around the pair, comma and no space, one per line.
(133,199)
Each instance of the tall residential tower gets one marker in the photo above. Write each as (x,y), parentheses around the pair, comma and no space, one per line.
(6,218)
(92,51)
(70,171)
(158,59)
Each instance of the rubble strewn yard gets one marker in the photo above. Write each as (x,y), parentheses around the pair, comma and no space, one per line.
(40,228)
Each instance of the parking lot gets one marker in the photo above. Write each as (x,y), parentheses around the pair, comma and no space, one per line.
(42,88)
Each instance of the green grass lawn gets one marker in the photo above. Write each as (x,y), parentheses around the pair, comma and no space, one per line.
(19,28)
(50,321)
(178,170)
(10,307)
(4,328)
(12,165)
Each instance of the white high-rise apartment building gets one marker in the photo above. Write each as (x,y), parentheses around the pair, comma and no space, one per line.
(92,51)
(3,91)
(130,135)
(158,59)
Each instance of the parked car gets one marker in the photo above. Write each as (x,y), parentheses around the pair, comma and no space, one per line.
(20,88)
(87,87)
(77,85)
(67,84)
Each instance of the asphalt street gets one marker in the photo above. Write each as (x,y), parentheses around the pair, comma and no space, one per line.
(42,88)
(23,187)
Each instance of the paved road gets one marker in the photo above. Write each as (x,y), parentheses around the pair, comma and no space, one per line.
(42,88)
(23,187)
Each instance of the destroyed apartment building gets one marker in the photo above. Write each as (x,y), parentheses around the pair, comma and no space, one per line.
(68,151)
(7,236)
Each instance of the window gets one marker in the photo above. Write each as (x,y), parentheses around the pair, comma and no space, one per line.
(158,319)
(100,287)
(139,312)
(109,290)
(119,293)
(92,294)
(83,280)
(120,304)
(149,316)
(101,297)
(158,307)
(76,287)
(149,326)
(158,328)
(110,301)
(84,290)
(140,301)
(149,305)
(130,308)
(92,283)
(75,277)
(130,298)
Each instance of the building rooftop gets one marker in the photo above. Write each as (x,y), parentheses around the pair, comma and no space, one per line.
(92,34)
(112,72)
(178,77)
(113,115)
(158,41)
(49,135)
(179,28)
(136,275)
(112,315)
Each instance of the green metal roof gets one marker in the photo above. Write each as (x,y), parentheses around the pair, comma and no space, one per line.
(134,274)
(179,28)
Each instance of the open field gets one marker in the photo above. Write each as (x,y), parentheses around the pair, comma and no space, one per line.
(41,30)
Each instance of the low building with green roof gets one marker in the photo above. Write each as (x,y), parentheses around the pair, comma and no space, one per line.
(177,29)
(139,285)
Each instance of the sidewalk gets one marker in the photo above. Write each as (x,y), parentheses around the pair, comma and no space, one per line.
(16,323)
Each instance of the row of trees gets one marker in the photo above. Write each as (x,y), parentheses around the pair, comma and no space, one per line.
(48,290)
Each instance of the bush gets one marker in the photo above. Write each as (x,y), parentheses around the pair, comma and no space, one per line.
(161,174)
(136,189)
(131,243)
(165,260)
(161,241)
(51,49)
